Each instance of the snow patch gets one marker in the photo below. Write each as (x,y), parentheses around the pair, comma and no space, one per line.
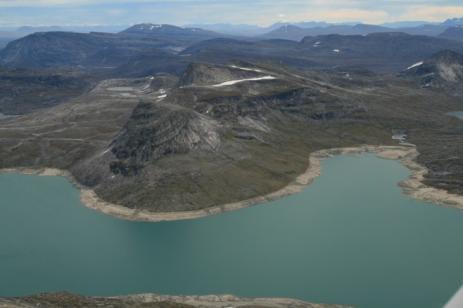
(246,68)
(415,65)
(232,82)
(336,50)
(155,26)
(316,44)
(125,94)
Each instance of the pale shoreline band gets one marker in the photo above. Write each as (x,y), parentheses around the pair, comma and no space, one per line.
(412,186)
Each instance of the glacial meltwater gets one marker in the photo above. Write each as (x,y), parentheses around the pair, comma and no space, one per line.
(352,237)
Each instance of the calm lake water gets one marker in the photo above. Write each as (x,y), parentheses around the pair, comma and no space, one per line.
(351,237)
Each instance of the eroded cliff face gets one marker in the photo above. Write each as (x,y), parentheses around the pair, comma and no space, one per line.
(153,132)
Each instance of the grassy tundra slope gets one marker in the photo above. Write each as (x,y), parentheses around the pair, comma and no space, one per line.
(225,133)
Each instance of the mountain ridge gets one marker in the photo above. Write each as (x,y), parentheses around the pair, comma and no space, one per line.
(443,70)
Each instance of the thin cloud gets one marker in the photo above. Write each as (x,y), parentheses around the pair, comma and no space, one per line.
(262,12)
(433,13)
(367,16)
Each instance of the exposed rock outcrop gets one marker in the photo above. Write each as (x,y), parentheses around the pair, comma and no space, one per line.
(61,300)
(157,131)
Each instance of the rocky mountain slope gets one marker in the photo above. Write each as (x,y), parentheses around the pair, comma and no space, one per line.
(224,133)
(379,52)
(149,49)
(93,50)
(443,70)
(186,36)
(201,74)
(23,90)
(67,49)
(52,48)
(158,119)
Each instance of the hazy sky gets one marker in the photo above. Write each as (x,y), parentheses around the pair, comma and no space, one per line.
(262,12)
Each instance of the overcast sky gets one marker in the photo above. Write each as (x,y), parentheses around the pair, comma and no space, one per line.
(261,12)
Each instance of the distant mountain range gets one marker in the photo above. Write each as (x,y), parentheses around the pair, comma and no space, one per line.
(296,32)
(292,32)
(453,33)
(96,49)
(8,34)
(380,52)
(150,48)
(254,30)
(83,29)
(280,30)
(169,33)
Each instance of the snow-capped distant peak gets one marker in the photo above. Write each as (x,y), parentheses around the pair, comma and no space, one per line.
(148,26)
(415,65)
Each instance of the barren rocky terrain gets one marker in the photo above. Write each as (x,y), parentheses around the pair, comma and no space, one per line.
(159,118)
(223,133)
(59,300)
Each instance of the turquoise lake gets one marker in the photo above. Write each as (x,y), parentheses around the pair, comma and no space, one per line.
(350,238)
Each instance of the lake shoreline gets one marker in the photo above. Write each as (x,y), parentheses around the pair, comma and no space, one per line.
(204,301)
(412,186)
